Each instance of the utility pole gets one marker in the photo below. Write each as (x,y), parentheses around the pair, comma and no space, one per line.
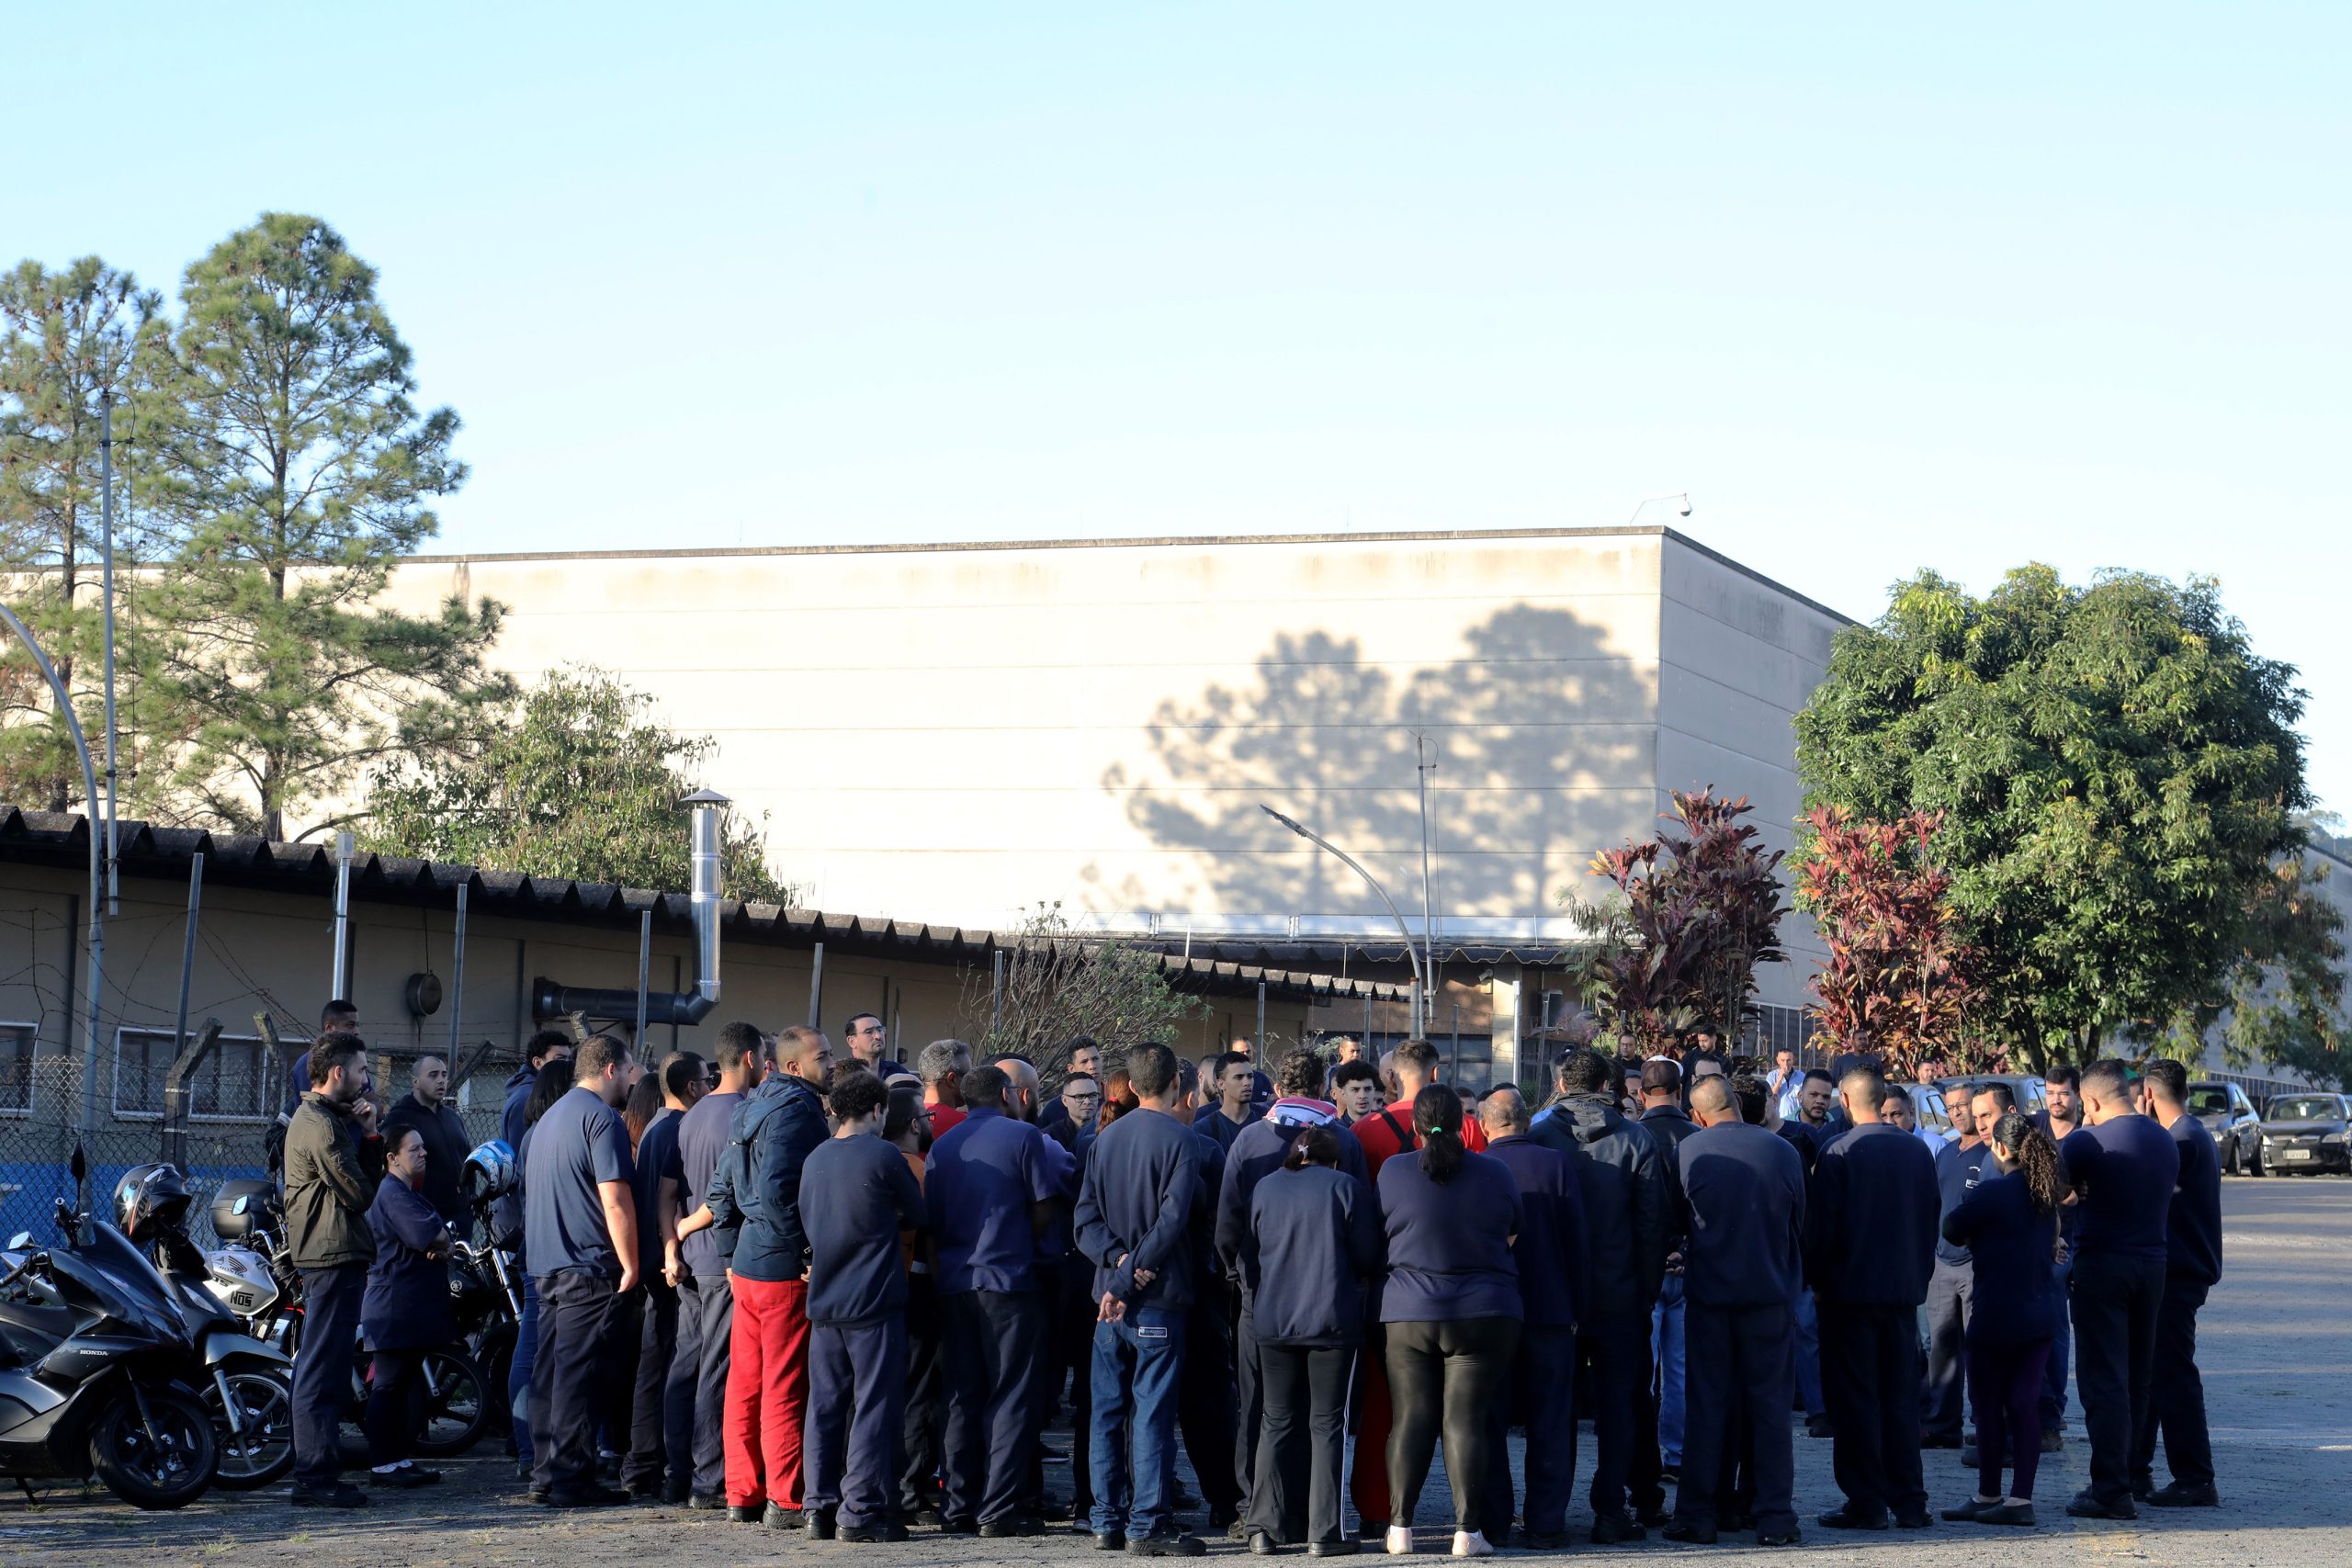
(106,593)
(1422,768)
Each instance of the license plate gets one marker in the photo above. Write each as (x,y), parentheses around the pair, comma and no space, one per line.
(2296,1154)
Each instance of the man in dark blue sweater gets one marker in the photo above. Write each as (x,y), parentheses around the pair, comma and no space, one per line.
(1871,1231)
(2125,1167)
(991,1188)
(857,1194)
(547,1045)
(1549,1252)
(1134,1209)
(1952,1286)
(1743,1213)
(2192,1268)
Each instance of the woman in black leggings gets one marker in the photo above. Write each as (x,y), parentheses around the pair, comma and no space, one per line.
(1318,1241)
(2009,1226)
(1451,1304)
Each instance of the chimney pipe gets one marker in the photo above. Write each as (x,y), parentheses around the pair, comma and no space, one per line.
(678,1008)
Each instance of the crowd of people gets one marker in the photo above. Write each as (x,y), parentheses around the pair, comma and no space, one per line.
(847,1297)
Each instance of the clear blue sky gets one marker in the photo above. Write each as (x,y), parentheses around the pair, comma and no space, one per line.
(1880,290)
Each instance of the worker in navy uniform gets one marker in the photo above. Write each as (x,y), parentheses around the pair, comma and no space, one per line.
(1744,1214)
(1134,1216)
(2125,1170)
(1871,1235)
(1549,1252)
(1658,1417)
(579,1236)
(990,1188)
(1229,1085)
(1951,1286)
(856,1195)
(1257,1151)
(547,1045)
(1082,1058)
(1207,1398)
(2193,1266)
(1623,1183)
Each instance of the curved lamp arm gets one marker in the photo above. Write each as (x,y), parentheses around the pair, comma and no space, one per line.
(1320,842)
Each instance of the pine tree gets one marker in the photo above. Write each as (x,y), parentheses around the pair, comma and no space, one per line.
(298,472)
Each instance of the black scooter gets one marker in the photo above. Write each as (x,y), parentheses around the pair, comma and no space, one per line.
(92,1348)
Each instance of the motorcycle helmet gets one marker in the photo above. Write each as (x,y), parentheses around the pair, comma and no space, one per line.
(490,1172)
(151,1199)
(241,1207)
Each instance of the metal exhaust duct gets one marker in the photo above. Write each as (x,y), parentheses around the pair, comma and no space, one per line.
(674,1007)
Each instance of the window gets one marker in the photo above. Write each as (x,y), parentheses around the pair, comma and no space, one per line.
(237,1083)
(18,1044)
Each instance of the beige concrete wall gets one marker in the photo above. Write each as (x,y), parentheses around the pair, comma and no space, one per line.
(1738,659)
(955,734)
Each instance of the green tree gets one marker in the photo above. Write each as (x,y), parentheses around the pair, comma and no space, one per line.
(579,782)
(297,472)
(69,340)
(2118,774)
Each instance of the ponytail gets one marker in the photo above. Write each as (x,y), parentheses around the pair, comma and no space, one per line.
(2037,1158)
(1316,1145)
(1437,1117)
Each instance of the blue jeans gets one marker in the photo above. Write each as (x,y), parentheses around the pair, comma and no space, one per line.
(1666,1352)
(518,1373)
(2053,1371)
(1808,1325)
(1139,1364)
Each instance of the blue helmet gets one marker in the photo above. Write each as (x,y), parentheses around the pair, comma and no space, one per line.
(491,1172)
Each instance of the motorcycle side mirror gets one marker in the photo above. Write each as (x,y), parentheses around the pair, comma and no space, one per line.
(20,1241)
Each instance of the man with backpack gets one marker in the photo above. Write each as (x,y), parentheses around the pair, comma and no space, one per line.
(758,1187)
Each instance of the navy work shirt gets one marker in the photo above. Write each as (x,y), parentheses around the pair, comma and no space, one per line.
(2126,1171)
(1550,1251)
(657,1157)
(1257,1152)
(1316,1234)
(2193,1230)
(977,1186)
(1958,1171)
(579,1143)
(1212,1121)
(857,1194)
(1136,1201)
(702,1138)
(1449,1243)
(2018,1298)
(1872,1218)
(1743,1216)
(511,1124)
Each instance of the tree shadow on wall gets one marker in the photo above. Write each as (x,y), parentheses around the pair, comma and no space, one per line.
(1543,737)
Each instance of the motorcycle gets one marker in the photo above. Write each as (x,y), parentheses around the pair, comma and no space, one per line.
(249,1385)
(254,1277)
(96,1367)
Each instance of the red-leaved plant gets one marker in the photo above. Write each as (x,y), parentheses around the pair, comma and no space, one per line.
(1901,977)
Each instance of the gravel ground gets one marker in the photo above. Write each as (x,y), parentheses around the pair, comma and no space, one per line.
(2280,1402)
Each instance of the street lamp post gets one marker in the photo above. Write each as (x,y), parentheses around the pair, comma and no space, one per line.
(1420,986)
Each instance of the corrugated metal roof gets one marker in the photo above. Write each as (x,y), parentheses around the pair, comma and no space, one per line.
(246,860)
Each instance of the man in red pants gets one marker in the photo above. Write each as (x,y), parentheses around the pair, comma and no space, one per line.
(774,1131)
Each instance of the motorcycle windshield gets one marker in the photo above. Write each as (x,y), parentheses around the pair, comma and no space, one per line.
(121,1283)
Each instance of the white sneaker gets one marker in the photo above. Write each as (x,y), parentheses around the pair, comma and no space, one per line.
(1400,1539)
(1472,1543)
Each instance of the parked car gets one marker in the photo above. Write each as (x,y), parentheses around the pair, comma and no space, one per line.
(2308,1132)
(2229,1115)
(1928,1110)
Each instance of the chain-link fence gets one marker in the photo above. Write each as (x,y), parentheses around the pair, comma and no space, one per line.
(223,1131)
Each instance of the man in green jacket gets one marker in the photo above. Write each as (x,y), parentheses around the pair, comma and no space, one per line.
(333,1160)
